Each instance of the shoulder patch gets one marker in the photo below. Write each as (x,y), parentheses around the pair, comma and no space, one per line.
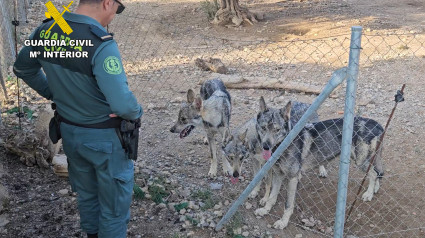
(104,36)
(112,65)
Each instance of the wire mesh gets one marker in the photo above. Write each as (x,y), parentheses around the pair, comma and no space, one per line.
(158,56)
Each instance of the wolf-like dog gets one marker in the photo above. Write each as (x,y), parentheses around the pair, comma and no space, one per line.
(244,143)
(316,144)
(211,111)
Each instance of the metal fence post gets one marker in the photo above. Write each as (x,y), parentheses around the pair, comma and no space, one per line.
(350,99)
(337,78)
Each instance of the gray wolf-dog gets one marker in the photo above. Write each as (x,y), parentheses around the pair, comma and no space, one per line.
(244,143)
(316,144)
(212,112)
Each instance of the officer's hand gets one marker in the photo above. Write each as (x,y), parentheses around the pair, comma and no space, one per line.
(112,115)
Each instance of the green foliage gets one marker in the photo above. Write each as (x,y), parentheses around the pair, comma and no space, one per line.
(192,220)
(138,192)
(206,197)
(26,110)
(180,206)
(157,193)
(210,8)
(236,223)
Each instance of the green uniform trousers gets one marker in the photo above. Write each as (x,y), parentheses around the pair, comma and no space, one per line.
(103,178)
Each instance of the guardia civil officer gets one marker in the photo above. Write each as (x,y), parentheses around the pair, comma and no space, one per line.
(92,98)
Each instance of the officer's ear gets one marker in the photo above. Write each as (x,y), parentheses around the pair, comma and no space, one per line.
(108,6)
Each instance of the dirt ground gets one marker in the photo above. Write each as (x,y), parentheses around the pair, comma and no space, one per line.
(300,41)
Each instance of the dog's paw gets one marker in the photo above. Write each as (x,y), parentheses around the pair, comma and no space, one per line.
(367,196)
(261,211)
(227,171)
(322,172)
(263,201)
(281,224)
(212,173)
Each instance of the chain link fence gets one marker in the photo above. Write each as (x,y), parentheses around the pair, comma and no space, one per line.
(159,56)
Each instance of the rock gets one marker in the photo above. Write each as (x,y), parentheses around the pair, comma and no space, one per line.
(328,230)
(182,211)
(191,204)
(3,220)
(185,193)
(248,205)
(63,192)
(216,186)
(218,213)
(171,206)
(217,206)
(150,106)
(237,231)
(212,224)
(190,234)
(60,165)
(298,235)
(245,234)
(307,223)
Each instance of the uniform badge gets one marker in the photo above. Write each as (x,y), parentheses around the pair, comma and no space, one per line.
(112,65)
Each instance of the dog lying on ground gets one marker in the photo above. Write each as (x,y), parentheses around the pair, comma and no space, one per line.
(316,144)
(244,143)
(212,112)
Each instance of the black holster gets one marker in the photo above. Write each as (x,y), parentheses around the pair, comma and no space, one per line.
(128,134)
(54,128)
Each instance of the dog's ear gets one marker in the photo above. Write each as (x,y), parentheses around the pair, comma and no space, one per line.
(198,103)
(263,106)
(243,135)
(286,111)
(190,96)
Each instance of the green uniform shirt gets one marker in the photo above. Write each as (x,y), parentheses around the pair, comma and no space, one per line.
(81,97)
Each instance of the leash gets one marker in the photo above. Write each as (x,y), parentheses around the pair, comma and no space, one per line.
(397,98)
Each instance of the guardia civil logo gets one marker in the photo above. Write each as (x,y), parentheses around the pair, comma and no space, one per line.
(112,65)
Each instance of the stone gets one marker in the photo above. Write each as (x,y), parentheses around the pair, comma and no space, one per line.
(307,223)
(3,220)
(60,165)
(237,231)
(216,186)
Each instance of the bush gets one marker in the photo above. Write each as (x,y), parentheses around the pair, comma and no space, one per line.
(209,8)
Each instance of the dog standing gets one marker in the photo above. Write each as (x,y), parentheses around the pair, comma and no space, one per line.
(211,111)
(244,143)
(316,144)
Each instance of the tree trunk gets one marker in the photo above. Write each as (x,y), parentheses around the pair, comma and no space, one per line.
(231,12)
